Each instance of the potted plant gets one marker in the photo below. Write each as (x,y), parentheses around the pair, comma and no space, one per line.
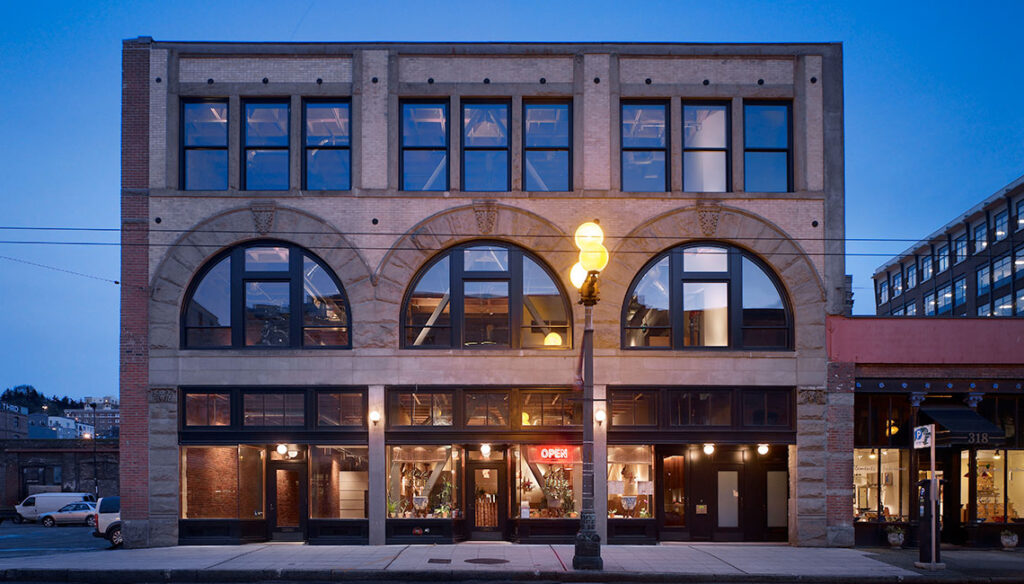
(392,507)
(1008,539)
(895,535)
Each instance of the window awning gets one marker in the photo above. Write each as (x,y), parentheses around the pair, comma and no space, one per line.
(963,426)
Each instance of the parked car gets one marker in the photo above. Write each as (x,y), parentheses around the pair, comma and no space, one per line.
(108,520)
(9,514)
(83,513)
(34,506)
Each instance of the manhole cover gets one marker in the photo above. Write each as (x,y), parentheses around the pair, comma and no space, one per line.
(486,561)
(438,561)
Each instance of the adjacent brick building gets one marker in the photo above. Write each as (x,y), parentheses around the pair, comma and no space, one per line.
(346,307)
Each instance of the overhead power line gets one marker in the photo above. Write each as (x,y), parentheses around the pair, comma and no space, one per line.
(56,269)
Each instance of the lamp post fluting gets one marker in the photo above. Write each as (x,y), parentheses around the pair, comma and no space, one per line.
(593,258)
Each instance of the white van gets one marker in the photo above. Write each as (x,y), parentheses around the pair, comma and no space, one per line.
(35,505)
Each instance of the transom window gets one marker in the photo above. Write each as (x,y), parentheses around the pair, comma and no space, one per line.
(547,146)
(265,294)
(634,408)
(645,146)
(208,409)
(341,408)
(425,146)
(274,409)
(706,295)
(485,146)
(421,408)
(204,160)
(487,409)
(550,408)
(486,295)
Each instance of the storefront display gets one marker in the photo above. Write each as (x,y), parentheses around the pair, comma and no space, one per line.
(549,482)
(630,482)
(423,482)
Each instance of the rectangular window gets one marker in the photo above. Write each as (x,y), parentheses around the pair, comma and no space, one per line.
(267,313)
(897,285)
(210,481)
(487,409)
(882,488)
(424,481)
(328,141)
(926,268)
(897,311)
(911,309)
(1001,271)
(634,408)
(550,486)
(1001,225)
(942,259)
(984,280)
(706,147)
(980,238)
(1002,306)
(929,304)
(1018,261)
(207,409)
(883,292)
(960,291)
(340,409)
(630,482)
(767,146)
(550,409)
(911,276)
(944,300)
(1020,302)
(339,482)
(547,146)
(985,309)
(204,156)
(274,409)
(485,146)
(645,147)
(424,159)
(266,147)
(486,315)
(766,408)
(705,314)
(960,249)
(1020,214)
(408,408)
(700,408)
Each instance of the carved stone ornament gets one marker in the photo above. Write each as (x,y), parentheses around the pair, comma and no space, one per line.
(163,395)
(708,215)
(486,215)
(263,217)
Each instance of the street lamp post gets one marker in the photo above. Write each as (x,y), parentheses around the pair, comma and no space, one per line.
(593,259)
(95,466)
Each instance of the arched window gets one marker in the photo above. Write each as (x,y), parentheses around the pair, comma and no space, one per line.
(706,295)
(486,295)
(265,294)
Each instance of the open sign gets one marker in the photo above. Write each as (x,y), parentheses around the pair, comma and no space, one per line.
(554,453)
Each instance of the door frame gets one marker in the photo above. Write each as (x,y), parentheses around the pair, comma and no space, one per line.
(671,532)
(498,532)
(719,533)
(299,533)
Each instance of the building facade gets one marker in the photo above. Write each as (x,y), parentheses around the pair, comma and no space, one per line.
(13,421)
(35,466)
(346,308)
(105,417)
(972,266)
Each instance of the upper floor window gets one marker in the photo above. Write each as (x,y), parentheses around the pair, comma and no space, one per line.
(897,285)
(911,308)
(883,292)
(208,409)
(485,146)
(490,408)
(1001,271)
(944,299)
(942,259)
(1018,262)
(204,157)
(266,146)
(700,408)
(547,146)
(980,238)
(328,141)
(897,311)
(486,295)
(645,146)
(634,408)
(706,147)
(1020,214)
(929,304)
(265,294)
(706,295)
(766,408)
(926,268)
(424,160)
(960,291)
(767,147)
(421,408)
(274,409)
(960,249)
(984,279)
(550,408)
(1002,306)
(341,408)
(1020,302)
(984,309)
(1001,226)
(911,276)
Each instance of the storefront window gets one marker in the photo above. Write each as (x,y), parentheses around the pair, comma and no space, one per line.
(881,484)
(423,482)
(1014,484)
(210,479)
(630,482)
(991,486)
(250,475)
(339,482)
(549,482)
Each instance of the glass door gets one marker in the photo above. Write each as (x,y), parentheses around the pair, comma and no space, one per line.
(488,501)
(287,501)
(672,508)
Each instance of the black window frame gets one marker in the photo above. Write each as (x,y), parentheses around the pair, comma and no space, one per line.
(364,404)
(667,149)
(402,148)
(1005,216)
(464,396)
(568,148)
(394,404)
(942,258)
(245,148)
(239,276)
(183,152)
(960,249)
(208,393)
(458,276)
(675,395)
(789,140)
(620,395)
(981,245)
(910,282)
(733,276)
(569,402)
(303,396)
(728,139)
(507,149)
(306,147)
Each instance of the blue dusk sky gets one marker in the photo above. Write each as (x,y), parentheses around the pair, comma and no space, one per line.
(934,124)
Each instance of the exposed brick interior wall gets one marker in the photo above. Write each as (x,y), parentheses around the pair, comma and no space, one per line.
(209,483)
(287,497)
(134,347)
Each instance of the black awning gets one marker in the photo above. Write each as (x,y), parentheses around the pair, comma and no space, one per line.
(963,426)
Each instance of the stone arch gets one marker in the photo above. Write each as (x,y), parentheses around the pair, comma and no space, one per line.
(784,255)
(205,239)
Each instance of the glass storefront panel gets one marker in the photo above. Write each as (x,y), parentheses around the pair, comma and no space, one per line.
(339,482)
(251,462)
(1014,484)
(673,475)
(881,484)
(777,498)
(549,482)
(991,486)
(209,482)
(423,482)
(630,482)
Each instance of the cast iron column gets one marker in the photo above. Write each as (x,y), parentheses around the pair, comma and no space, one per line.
(588,542)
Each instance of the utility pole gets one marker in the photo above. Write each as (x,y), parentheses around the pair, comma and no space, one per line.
(95,465)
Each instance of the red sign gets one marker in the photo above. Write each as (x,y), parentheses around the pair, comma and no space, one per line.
(554,452)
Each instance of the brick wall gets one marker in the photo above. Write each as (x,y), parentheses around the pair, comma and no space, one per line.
(134,348)
(839,454)
(210,483)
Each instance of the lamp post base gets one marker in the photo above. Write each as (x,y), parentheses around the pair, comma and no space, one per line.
(588,550)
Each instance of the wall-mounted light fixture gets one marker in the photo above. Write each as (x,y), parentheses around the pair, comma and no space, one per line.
(709,449)
(375,417)
(762,449)
(293,454)
(599,415)
(282,449)
(485,450)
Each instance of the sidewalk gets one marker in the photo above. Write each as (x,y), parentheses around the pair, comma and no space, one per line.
(504,561)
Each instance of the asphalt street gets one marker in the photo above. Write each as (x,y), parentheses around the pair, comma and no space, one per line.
(32,539)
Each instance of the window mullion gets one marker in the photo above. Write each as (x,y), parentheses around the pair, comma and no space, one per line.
(237,297)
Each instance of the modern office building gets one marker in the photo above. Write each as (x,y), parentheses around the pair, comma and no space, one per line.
(972,266)
(347,313)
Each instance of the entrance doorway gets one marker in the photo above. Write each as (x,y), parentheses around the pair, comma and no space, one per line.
(287,496)
(487,497)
